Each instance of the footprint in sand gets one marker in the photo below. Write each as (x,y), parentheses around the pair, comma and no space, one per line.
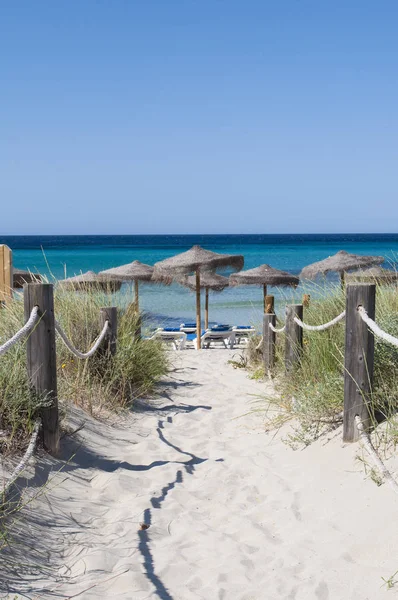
(247,563)
(322,591)
(296,507)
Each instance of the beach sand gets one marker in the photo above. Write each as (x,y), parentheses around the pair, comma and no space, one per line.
(190,498)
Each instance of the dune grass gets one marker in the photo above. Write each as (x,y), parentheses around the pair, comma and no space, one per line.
(94,384)
(312,397)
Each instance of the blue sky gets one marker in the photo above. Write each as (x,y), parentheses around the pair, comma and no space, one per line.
(198,116)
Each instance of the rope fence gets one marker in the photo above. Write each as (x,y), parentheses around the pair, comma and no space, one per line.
(275,329)
(41,358)
(260,343)
(367,442)
(25,459)
(360,331)
(30,323)
(323,327)
(77,353)
(300,323)
(387,337)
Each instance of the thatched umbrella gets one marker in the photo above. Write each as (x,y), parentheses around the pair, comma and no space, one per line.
(340,263)
(134,271)
(21,277)
(90,280)
(196,260)
(208,281)
(264,275)
(373,275)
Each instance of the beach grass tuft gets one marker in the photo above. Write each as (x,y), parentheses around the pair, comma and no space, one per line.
(95,384)
(312,396)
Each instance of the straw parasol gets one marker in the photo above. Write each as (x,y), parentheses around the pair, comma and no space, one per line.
(373,275)
(264,275)
(90,280)
(341,262)
(208,281)
(21,277)
(134,271)
(196,260)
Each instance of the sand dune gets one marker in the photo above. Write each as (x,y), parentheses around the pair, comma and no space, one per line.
(189,498)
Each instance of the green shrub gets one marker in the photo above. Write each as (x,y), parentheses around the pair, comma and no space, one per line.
(96,383)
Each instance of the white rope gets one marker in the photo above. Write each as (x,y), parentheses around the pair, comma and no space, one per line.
(387,337)
(76,352)
(275,330)
(25,459)
(260,344)
(320,327)
(22,332)
(365,438)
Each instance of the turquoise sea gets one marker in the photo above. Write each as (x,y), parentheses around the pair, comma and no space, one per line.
(60,255)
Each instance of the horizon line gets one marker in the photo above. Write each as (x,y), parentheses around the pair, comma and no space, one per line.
(191,234)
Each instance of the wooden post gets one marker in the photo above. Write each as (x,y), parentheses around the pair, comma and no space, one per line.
(207,309)
(6,274)
(198,324)
(293,336)
(265,297)
(306,300)
(41,358)
(136,296)
(358,359)
(137,309)
(269,337)
(110,340)
(269,305)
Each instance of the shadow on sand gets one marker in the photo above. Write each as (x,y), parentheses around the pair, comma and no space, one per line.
(34,541)
(156,501)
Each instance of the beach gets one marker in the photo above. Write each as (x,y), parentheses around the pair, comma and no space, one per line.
(198,301)
(190,497)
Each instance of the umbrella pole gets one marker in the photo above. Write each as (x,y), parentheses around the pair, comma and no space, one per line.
(269,305)
(207,309)
(265,297)
(136,298)
(342,280)
(198,329)
(137,309)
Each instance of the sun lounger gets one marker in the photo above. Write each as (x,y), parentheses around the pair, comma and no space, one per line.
(221,328)
(188,327)
(170,335)
(243,333)
(227,338)
(191,339)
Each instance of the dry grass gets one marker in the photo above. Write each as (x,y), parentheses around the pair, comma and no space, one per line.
(312,397)
(94,383)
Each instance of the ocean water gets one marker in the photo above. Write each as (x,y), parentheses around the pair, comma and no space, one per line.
(68,255)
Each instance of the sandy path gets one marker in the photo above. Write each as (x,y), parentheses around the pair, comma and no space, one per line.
(233,513)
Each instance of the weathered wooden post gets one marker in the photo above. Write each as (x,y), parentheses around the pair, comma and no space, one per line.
(41,359)
(207,308)
(136,296)
(137,333)
(269,305)
(198,320)
(110,340)
(358,359)
(6,274)
(293,336)
(269,337)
